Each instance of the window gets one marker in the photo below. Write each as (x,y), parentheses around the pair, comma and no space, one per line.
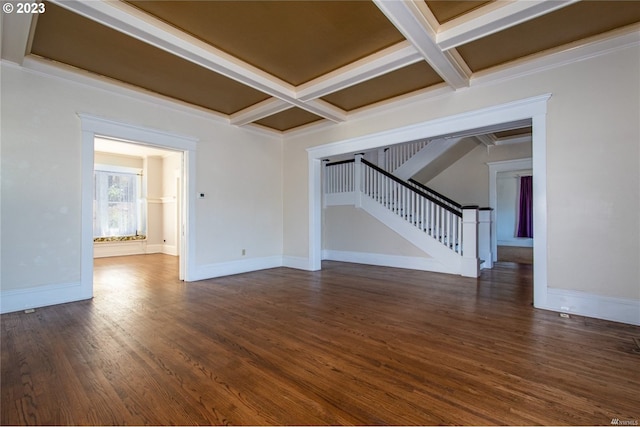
(117,203)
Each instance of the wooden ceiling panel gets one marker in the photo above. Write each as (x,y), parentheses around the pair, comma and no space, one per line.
(289,119)
(577,21)
(295,41)
(446,10)
(408,79)
(68,38)
(512,133)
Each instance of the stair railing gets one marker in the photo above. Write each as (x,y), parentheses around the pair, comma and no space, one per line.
(396,155)
(340,177)
(432,216)
(440,197)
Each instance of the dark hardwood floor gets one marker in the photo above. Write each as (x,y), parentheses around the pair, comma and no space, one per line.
(350,344)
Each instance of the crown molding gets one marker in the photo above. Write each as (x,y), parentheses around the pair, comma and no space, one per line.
(492,18)
(55,70)
(582,50)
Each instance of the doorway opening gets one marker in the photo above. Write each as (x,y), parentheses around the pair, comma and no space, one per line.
(137,199)
(138,138)
(531,110)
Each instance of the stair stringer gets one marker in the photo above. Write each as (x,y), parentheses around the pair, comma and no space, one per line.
(450,261)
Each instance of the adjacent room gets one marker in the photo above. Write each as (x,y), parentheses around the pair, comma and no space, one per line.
(320,212)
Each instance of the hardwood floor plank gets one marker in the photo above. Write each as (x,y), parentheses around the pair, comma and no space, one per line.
(347,345)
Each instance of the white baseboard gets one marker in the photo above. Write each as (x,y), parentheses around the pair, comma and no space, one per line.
(413,263)
(169,250)
(591,305)
(41,296)
(157,248)
(235,267)
(299,263)
(522,242)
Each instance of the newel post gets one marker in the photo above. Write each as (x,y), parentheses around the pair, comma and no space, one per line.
(357,180)
(470,263)
(484,237)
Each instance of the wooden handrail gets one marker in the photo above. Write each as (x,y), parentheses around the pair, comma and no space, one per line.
(441,196)
(413,189)
(340,162)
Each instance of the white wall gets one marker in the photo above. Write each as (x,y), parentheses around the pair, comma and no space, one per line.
(348,229)
(592,159)
(239,171)
(467,180)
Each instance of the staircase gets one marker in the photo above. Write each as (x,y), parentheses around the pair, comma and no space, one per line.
(453,235)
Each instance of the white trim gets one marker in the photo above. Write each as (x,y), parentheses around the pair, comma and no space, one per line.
(299,263)
(564,55)
(258,111)
(450,261)
(220,269)
(42,296)
(387,60)
(340,199)
(140,25)
(567,54)
(408,18)
(315,213)
(490,19)
(66,73)
(385,260)
(533,108)
(494,169)
(477,119)
(592,305)
(16,31)
(517,242)
(93,126)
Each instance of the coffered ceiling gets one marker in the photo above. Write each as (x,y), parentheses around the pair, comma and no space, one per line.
(281,65)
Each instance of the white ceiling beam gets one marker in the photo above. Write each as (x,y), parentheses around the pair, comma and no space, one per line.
(409,19)
(259,111)
(16,30)
(387,60)
(135,23)
(487,139)
(492,18)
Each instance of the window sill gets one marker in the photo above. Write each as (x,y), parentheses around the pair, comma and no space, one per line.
(119,239)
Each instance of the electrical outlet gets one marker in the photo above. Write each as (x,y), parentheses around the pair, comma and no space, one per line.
(564,315)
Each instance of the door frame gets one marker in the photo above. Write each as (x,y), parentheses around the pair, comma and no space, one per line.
(93,126)
(494,169)
(533,110)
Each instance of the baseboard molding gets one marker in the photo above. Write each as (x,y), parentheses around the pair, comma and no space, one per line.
(398,261)
(169,250)
(299,263)
(41,296)
(591,305)
(521,243)
(235,267)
